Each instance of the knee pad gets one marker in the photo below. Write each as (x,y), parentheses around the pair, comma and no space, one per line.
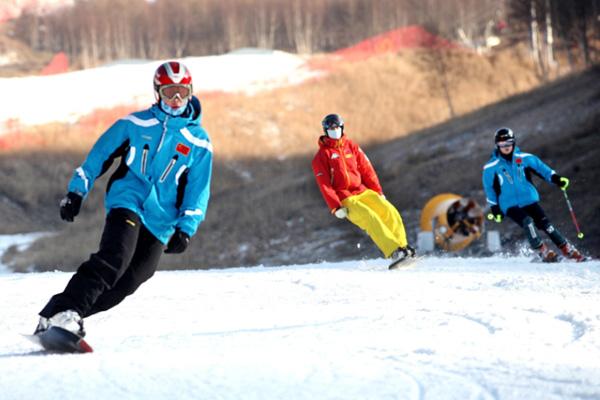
(555,235)
(531,233)
(529,225)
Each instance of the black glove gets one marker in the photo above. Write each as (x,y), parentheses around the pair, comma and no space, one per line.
(496,213)
(560,181)
(69,206)
(178,242)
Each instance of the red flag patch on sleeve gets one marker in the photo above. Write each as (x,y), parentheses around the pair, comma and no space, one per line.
(183,149)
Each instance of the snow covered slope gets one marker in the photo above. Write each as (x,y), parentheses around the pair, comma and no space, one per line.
(460,329)
(67,97)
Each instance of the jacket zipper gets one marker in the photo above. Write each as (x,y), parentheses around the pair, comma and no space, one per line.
(518,180)
(343,156)
(144,158)
(162,137)
(168,169)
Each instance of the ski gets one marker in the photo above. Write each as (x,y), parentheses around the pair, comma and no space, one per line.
(560,260)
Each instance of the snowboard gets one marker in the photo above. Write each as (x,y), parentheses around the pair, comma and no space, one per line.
(59,340)
(406,263)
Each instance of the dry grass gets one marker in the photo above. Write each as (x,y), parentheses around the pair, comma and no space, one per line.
(381,98)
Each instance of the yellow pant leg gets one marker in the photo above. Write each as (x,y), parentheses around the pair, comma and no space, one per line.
(379,218)
(388,214)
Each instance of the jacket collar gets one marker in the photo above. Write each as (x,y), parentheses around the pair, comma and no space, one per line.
(499,156)
(191,116)
(327,142)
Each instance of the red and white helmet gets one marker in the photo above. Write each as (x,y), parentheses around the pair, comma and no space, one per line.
(174,75)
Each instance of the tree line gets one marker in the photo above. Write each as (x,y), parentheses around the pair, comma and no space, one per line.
(567,26)
(97,31)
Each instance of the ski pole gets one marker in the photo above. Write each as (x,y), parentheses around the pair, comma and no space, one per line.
(579,233)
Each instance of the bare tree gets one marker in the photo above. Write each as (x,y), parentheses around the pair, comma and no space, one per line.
(581,13)
(550,36)
(566,26)
(233,21)
(536,51)
(101,30)
(264,25)
(302,24)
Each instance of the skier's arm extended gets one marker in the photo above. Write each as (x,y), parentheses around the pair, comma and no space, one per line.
(109,146)
(539,166)
(489,175)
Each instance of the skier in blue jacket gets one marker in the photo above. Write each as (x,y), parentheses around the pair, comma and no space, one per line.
(158,195)
(507,181)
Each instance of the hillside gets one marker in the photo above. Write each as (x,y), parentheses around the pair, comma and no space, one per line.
(265,206)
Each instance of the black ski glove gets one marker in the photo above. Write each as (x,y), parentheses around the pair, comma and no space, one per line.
(560,181)
(495,214)
(70,206)
(178,242)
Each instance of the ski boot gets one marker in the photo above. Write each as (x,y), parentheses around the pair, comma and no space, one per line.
(68,320)
(569,251)
(401,254)
(547,255)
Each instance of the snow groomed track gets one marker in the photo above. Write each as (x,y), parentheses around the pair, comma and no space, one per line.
(494,328)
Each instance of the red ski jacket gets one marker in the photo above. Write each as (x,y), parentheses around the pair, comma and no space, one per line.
(342,170)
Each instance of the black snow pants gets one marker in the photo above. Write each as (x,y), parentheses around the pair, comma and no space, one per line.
(128,256)
(531,217)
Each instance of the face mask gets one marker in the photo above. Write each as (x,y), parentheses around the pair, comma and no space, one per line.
(334,133)
(173,111)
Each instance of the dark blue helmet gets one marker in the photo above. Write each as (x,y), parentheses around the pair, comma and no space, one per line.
(504,135)
(332,121)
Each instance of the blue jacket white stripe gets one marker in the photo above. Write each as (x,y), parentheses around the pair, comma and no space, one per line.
(508,183)
(165,171)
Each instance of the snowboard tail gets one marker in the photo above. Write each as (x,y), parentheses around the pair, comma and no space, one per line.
(405,263)
(59,340)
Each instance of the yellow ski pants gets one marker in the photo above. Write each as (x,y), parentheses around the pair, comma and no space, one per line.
(379,218)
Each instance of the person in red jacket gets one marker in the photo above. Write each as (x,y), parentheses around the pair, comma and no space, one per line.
(351,189)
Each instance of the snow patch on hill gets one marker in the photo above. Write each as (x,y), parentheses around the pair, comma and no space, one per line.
(67,97)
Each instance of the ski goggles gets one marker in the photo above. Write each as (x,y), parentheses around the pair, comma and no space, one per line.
(170,92)
(507,144)
(331,125)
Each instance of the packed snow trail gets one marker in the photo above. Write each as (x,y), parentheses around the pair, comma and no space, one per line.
(493,328)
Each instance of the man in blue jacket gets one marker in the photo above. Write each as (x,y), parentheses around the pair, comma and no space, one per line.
(158,195)
(507,181)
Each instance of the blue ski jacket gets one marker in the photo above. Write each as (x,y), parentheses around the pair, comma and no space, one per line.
(165,170)
(509,183)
